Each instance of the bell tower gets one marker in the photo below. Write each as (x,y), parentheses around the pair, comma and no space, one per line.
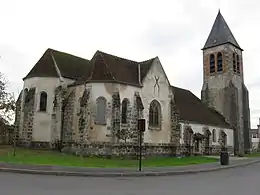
(223,82)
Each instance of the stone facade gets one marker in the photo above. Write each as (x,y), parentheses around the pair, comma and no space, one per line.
(73,122)
(175,127)
(223,82)
(67,119)
(18,112)
(116,117)
(28,117)
(99,117)
(225,91)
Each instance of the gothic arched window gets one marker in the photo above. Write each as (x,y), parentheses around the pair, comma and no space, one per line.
(238,64)
(220,62)
(101,111)
(212,63)
(154,114)
(43,101)
(125,103)
(234,63)
(214,135)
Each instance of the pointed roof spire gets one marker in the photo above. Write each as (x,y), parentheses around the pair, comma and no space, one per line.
(220,34)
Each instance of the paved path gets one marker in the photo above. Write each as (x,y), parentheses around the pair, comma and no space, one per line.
(237,181)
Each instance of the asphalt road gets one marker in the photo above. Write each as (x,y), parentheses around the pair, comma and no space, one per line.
(237,181)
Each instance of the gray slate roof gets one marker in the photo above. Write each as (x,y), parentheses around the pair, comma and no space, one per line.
(103,67)
(70,66)
(192,109)
(220,34)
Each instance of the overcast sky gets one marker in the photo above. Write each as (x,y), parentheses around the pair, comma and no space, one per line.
(174,30)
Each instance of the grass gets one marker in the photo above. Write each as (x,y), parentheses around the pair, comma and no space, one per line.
(43,157)
(255,154)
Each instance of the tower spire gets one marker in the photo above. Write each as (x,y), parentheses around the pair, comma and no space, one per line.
(220,34)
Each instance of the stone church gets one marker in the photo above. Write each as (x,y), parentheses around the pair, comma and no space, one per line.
(92,106)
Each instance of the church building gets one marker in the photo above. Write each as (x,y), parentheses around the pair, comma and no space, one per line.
(92,106)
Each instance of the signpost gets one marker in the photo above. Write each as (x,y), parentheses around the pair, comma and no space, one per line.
(141,129)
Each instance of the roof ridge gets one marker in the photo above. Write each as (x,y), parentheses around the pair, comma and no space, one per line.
(141,62)
(181,88)
(122,58)
(62,52)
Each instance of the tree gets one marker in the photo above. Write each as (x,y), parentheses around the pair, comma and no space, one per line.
(7,101)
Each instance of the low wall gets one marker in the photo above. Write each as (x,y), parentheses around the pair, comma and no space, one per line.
(129,149)
(126,149)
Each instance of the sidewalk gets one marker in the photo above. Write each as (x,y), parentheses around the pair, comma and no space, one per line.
(127,172)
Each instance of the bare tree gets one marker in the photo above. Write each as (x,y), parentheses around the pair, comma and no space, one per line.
(7,104)
(7,100)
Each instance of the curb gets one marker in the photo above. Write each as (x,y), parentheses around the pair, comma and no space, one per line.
(116,174)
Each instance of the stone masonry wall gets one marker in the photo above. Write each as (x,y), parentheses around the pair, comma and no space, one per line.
(125,132)
(67,119)
(115,122)
(56,117)
(28,111)
(230,113)
(246,114)
(129,150)
(84,124)
(217,85)
(17,117)
(175,128)
(137,113)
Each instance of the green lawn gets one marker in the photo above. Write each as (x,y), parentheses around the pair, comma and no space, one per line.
(43,157)
(256,154)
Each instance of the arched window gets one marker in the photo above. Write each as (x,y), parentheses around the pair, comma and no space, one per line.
(238,64)
(223,138)
(25,93)
(125,103)
(212,63)
(43,101)
(181,132)
(214,135)
(101,111)
(234,63)
(154,113)
(187,136)
(220,62)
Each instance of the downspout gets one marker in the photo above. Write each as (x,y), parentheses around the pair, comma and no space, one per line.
(139,74)
(62,83)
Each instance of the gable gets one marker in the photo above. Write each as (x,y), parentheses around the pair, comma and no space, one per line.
(156,69)
(192,109)
(109,68)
